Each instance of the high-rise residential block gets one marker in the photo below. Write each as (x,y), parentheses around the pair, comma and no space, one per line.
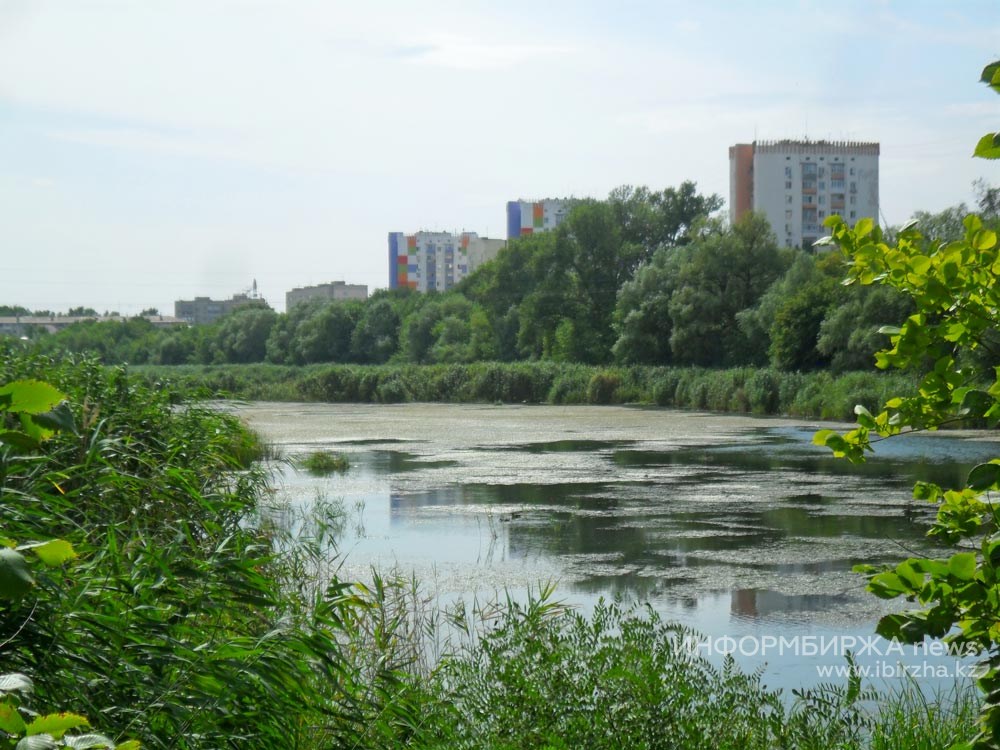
(798,184)
(437,260)
(531,217)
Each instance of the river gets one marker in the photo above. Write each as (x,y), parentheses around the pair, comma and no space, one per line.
(736,526)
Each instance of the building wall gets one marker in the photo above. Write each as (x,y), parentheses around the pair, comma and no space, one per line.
(202,310)
(740,180)
(798,184)
(436,260)
(334,290)
(528,217)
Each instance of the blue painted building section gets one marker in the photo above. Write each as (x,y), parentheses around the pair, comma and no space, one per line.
(393,260)
(513,220)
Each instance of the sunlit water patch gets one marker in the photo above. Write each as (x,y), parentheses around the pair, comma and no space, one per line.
(738,527)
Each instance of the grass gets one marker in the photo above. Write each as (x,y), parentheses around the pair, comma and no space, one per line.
(324,463)
(746,390)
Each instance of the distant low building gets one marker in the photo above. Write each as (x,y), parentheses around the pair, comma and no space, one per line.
(335,290)
(532,217)
(20,325)
(202,310)
(437,260)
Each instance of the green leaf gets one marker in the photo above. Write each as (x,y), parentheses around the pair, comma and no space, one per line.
(56,724)
(59,419)
(988,147)
(984,239)
(32,396)
(991,75)
(864,227)
(15,682)
(84,741)
(821,436)
(984,477)
(824,241)
(963,566)
(18,440)
(15,580)
(34,431)
(130,745)
(10,719)
(36,742)
(51,553)
(865,418)
(887,585)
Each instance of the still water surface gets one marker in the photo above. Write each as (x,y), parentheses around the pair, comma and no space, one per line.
(736,526)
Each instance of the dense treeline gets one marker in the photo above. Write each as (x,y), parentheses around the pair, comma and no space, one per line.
(644,277)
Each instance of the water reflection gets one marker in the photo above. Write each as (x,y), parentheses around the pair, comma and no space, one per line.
(727,524)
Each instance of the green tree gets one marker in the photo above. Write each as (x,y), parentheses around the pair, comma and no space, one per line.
(241,336)
(849,334)
(957,309)
(81,312)
(642,313)
(376,337)
(654,220)
(727,270)
(325,334)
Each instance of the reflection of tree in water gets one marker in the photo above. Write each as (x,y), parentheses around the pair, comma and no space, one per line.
(899,468)
(762,602)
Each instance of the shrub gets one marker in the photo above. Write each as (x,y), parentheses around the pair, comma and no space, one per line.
(602,388)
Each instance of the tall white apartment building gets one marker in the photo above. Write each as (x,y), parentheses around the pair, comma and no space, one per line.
(798,184)
(530,217)
(437,260)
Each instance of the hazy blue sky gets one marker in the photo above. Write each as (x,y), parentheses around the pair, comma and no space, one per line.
(160,149)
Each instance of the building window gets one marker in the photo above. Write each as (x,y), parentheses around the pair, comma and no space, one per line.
(788,170)
(822,199)
(807,199)
(854,214)
(788,228)
(788,186)
(822,214)
(852,169)
(822,185)
(854,200)
(788,199)
(788,214)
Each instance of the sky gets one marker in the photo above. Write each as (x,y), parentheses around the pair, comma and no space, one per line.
(155,150)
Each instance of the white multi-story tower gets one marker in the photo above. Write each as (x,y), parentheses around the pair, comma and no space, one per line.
(437,260)
(798,184)
(532,217)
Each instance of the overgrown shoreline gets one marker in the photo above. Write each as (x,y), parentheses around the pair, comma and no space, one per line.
(192,620)
(743,390)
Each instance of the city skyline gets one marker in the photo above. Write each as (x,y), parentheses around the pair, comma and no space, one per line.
(164,151)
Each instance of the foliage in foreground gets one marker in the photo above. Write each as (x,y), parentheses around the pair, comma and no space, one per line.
(177,624)
(953,336)
(544,677)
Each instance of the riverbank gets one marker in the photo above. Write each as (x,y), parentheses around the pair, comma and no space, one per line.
(192,617)
(812,395)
